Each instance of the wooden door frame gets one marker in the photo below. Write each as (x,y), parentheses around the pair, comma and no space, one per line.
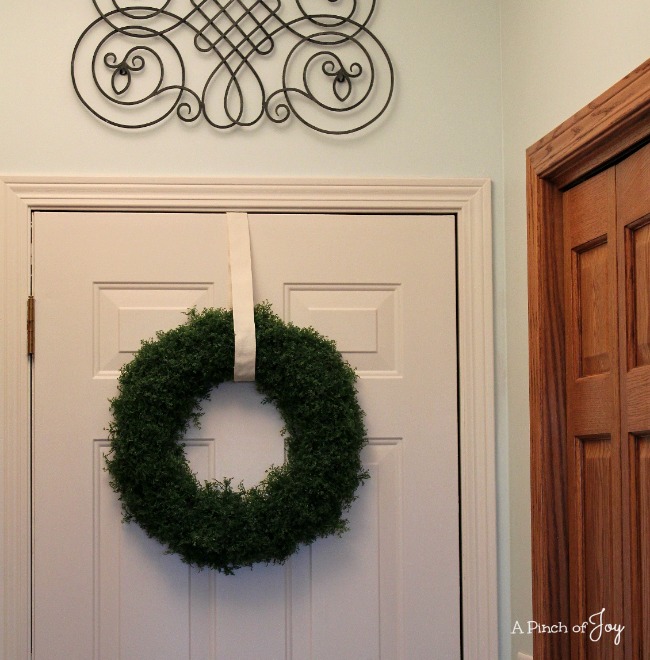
(601,133)
(468,200)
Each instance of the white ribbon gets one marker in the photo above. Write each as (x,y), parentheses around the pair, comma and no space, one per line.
(241,283)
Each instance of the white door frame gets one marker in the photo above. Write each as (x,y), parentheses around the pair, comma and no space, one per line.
(468,199)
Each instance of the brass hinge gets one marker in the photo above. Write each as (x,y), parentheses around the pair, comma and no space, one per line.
(30,326)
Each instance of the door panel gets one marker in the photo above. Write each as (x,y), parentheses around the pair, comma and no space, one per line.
(638,256)
(593,408)
(633,226)
(381,286)
(607,253)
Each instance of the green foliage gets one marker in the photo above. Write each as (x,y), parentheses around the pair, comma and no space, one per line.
(214,524)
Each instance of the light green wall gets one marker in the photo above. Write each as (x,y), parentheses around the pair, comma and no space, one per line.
(558,55)
(445,122)
(477,82)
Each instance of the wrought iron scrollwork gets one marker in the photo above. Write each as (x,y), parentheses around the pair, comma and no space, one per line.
(130,66)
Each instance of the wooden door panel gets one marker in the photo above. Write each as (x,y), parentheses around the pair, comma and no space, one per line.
(635,304)
(592,310)
(633,233)
(588,236)
(633,186)
(595,472)
(639,544)
(639,295)
(594,479)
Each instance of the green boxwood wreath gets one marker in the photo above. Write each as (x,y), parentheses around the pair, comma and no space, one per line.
(214,524)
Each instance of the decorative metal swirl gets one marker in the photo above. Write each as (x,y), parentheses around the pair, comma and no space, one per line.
(129,65)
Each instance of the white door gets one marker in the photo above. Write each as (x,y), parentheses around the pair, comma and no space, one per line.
(383,287)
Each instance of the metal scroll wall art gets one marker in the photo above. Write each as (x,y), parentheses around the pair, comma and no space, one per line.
(234,63)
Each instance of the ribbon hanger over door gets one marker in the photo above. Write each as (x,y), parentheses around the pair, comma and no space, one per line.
(241,283)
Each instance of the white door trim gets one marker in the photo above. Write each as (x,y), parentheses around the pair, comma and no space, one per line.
(469,199)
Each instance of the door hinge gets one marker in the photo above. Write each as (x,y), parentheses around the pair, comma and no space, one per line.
(30,326)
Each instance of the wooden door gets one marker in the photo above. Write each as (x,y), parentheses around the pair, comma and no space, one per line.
(633,247)
(384,288)
(607,258)
(605,131)
(593,410)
